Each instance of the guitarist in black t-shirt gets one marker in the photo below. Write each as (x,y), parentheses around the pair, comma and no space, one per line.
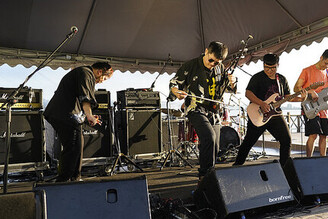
(261,87)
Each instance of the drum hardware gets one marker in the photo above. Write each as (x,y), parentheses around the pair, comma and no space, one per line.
(229,142)
(242,118)
(254,155)
(173,112)
(263,153)
(225,118)
(187,145)
(119,156)
(173,154)
(229,155)
(187,149)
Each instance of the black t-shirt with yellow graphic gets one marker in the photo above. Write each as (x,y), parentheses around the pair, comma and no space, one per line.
(197,80)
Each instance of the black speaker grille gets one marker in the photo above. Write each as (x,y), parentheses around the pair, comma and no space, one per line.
(306,176)
(97,139)
(27,141)
(98,199)
(237,189)
(139,131)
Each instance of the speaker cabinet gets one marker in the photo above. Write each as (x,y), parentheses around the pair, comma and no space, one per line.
(27,137)
(98,138)
(237,189)
(102,199)
(23,205)
(307,176)
(139,131)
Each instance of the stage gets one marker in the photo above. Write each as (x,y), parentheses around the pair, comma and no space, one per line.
(174,186)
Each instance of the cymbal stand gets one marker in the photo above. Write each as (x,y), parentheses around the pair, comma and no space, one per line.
(241,115)
(172,152)
(243,123)
(119,155)
(258,155)
(263,153)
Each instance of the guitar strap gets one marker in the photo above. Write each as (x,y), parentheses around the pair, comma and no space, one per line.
(279,85)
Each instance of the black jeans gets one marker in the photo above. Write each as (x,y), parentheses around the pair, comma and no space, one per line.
(71,138)
(209,137)
(277,127)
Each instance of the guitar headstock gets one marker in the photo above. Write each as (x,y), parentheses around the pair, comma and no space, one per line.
(315,85)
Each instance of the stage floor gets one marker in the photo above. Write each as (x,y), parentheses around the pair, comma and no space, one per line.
(178,183)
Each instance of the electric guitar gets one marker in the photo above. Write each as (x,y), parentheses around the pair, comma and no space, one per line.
(311,108)
(259,118)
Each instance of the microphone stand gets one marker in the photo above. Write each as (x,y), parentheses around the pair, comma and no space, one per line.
(11,100)
(118,160)
(164,66)
(172,151)
(244,71)
(233,65)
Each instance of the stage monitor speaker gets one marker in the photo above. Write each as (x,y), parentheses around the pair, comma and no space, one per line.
(236,189)
(307,176)
(139,131)
(23,205)
(27,137)
(98,138)
(102,199)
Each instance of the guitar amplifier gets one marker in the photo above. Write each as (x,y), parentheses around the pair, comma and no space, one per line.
(27,137)
(138,98)
(103,99)
(27,98)
(139,131)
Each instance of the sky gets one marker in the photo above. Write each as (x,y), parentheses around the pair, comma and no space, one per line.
(291,65)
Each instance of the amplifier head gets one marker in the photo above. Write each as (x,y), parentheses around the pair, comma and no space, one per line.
(27,98)
(103,98)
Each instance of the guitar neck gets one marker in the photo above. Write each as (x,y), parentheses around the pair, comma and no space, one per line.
(280,102)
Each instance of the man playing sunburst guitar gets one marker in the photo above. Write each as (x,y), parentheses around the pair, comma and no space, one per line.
(262,87)
(319,124)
